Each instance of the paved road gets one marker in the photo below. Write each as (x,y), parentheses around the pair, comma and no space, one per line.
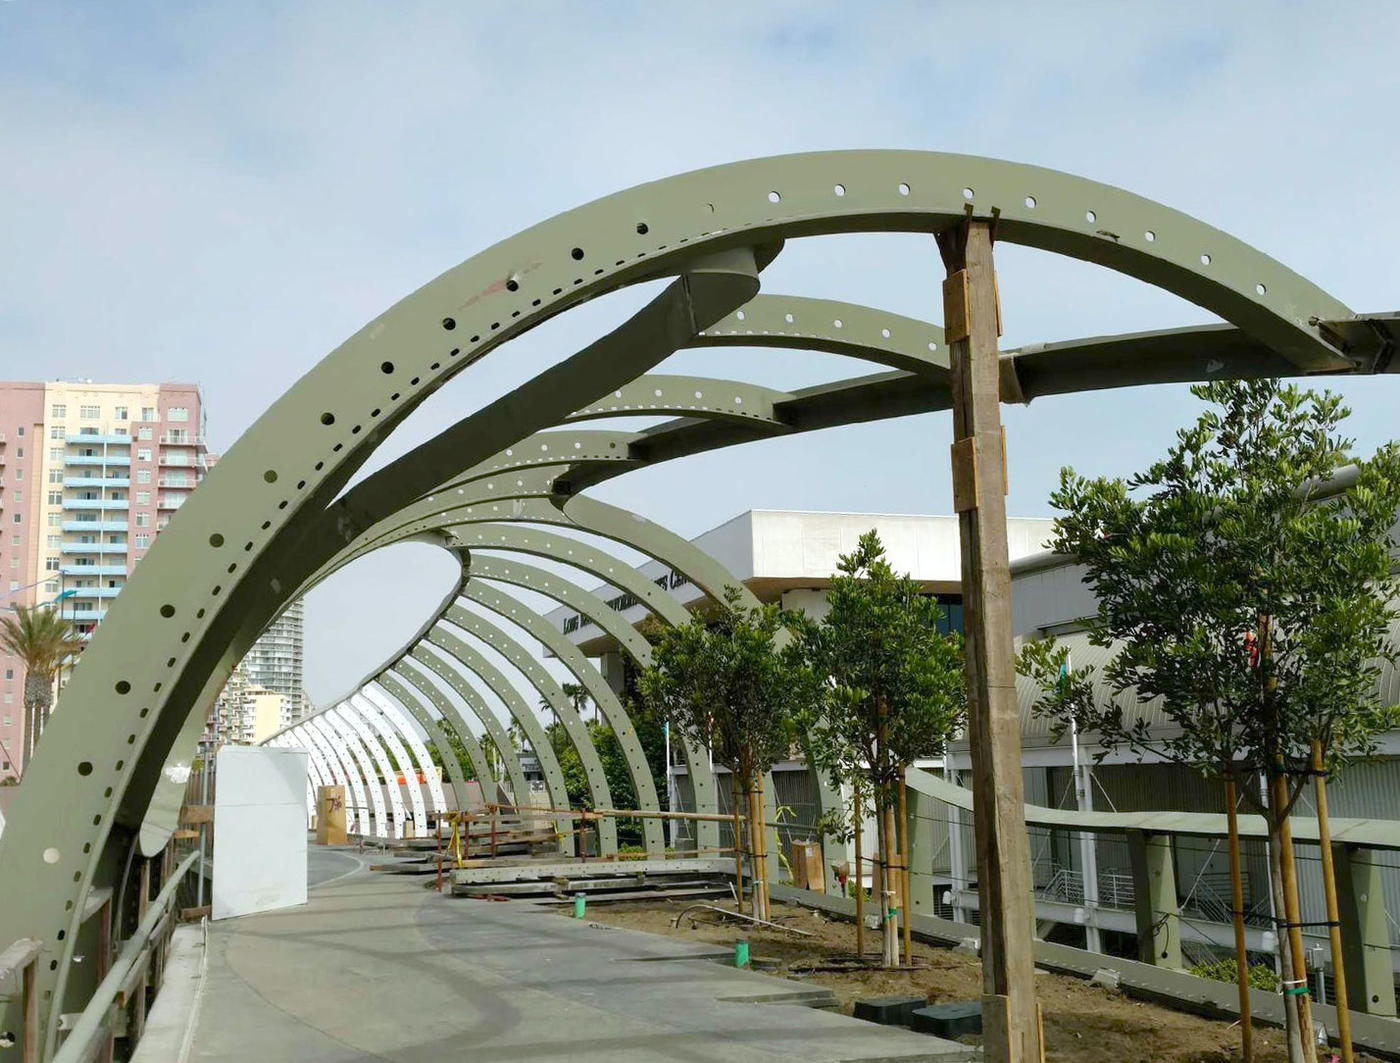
(376,967)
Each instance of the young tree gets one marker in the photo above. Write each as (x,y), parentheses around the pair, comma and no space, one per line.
(726,681)
(44,642)
(892,690)
(1252,598)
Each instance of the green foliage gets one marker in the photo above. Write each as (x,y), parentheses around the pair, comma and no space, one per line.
(40,638)
(615,769)
(878,658)
(1260,975)
(724,682)
(464,761)
(1235,588)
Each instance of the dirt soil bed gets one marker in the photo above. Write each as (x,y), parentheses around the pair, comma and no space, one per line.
(1082,1022)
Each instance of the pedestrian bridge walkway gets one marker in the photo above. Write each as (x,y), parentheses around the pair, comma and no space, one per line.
(375,967)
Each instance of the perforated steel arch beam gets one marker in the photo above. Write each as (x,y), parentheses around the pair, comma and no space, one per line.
(398,695)
(356,802)
(548,688)
(513,774)
(412,765)
(420,686)
(320,770)
(378,768)
(368,796)
(629,528)
(361,762)
(463,657)
(161,675)
(400,721)
(450,671)
(330,770)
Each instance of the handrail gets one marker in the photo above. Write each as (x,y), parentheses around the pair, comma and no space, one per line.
(89,1023)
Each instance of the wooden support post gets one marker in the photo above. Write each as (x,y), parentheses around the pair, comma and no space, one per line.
(856,877)
(972,324)
(735,799)
(29,1008)
(904,849)
(137,1024)
(1293,916)
(1334,922)
(1232,817)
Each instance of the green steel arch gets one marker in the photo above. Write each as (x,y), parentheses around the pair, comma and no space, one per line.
(272,513)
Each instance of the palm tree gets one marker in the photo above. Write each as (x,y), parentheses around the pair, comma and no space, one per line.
(43,641)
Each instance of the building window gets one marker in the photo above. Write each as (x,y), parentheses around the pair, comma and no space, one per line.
(143,476)
(143,520)
(89,413)
(20,430)
(143,433)
(9,674)
(148,413)
(143,498)
(19,518)
(55,498)
(55,519)
(19,495)
(55,541)
(55,454)
(58,411)
(120,413)
(50,564)
(19,474)
(143,541)
(51,587)
(55,476)
(56,431)
(177,413)
(143,454)
(19,452)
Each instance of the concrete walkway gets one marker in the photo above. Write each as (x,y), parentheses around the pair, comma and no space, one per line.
(376,967)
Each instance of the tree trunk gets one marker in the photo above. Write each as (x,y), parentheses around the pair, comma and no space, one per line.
(892,886)
(38,695)
(1237,920)
(758,841)
(736,797)
(1295,1011)
(858,877)
(1329,885)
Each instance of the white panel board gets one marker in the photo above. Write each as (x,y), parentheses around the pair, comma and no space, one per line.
(259,830)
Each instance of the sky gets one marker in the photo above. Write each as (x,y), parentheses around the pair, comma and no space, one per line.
(222,193)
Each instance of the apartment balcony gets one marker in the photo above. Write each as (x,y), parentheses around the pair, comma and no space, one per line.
(94,548)
(94,526)
(93,570)
(192,460)
(174,438)
(109,438)
(178,483)
(77,615)
(170,502)
(97,459)
(97,481)
(96,503)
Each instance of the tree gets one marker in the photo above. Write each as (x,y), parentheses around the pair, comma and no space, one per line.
(1250,598)
(44,642)
(891,689)
(726,681)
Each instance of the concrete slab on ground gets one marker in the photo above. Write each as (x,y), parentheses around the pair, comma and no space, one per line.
(379,968)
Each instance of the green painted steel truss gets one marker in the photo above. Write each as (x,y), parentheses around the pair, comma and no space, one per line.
(275,517)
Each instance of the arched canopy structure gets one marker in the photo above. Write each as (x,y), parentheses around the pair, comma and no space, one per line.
(275,516)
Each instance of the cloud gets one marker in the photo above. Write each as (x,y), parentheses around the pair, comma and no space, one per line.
(225,192)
